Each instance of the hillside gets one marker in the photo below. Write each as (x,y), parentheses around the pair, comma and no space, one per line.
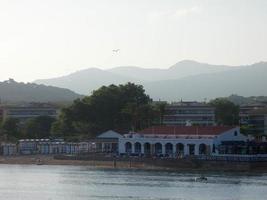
(188,80)
(12,91)
(179,70)
(85,81)
(245,81)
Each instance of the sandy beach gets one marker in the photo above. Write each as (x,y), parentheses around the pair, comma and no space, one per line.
(44,160)
(147,164)
(49,160)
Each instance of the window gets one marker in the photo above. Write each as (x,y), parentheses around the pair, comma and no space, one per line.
(235,133)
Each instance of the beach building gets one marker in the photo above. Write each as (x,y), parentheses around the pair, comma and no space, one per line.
(106,142)
(252,147)
(44,146)
(47,146)
(8,149)
(185,112)
(28,146)
(71,148)
(51,147)
(174,141)
(83,147)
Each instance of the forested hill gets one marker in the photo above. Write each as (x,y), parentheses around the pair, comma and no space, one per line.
(12,91)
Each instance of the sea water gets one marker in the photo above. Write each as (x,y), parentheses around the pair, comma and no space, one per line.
(44,182)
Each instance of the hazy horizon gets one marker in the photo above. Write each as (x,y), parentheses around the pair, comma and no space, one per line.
(45,39)
(113,67)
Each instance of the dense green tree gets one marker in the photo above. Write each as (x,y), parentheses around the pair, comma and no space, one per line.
(122,107)
(160,108)
(247,129)
(11,128)
(227,113)
(38,127)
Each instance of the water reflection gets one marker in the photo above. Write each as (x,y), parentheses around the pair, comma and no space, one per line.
(72,182)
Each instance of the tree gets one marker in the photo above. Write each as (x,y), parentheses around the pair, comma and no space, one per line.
(39,127)
(226,112)
(122,107)
(11,128)
(160,108)
(247,129)
(139,117)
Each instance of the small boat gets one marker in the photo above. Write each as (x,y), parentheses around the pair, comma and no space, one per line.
(201,179)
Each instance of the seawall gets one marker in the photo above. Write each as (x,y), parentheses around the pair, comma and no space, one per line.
(170,164)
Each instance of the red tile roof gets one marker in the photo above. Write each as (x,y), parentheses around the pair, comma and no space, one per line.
(186,130)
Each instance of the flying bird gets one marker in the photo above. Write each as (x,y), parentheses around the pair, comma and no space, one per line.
(116,50)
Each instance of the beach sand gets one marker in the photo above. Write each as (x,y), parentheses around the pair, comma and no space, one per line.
(176,165)
(49,160)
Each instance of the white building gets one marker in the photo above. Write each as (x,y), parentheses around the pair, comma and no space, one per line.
(175,141)
(106,142)
(47,146)
(29,146)
(83,147)
(71,148)
(51,147)
(9,149)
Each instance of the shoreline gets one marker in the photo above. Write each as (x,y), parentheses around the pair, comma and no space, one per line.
(44,160)
(96,164)
(135,164)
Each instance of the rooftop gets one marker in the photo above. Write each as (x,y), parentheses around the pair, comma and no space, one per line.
(262,111)
(186,130)
(189,103)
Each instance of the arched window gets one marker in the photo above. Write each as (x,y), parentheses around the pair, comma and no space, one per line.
(202,149)
(180,148)
(169,148)
(158,148)
(137,147)
(128,147)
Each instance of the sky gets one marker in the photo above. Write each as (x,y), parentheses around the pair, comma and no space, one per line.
(45,39)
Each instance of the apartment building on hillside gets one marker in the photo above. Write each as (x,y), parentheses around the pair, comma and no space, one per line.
(189,113)
(24,112)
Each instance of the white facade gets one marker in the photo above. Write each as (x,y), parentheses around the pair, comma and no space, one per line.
(230,135)
(84,147)
(46,146)
(106,142)
(9,149)
(175,145)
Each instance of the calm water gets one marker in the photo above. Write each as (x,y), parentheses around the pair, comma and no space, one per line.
(72,182)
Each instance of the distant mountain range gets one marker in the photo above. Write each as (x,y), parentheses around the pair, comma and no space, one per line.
(181,69)
(12,91)
(187,80)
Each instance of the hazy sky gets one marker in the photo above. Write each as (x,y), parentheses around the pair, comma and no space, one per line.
(48,38)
